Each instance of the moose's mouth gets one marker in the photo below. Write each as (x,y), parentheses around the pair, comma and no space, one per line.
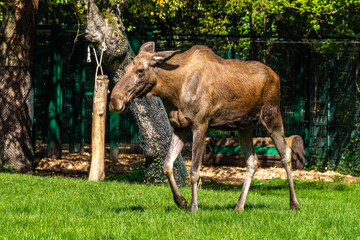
(118,106)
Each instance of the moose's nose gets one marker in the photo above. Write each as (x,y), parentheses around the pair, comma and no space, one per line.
(117,105)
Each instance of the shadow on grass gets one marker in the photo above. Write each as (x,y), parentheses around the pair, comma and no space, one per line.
(255,185)
(127,209)
(280,184)
(137,176)
(321,185)
(220,207)
(216,207)
(248,206)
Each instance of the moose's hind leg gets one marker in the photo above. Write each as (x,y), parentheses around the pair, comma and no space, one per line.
(275,128)
(246,144)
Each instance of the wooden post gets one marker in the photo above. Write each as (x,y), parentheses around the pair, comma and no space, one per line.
(97,168)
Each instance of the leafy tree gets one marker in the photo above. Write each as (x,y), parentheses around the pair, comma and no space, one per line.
(301,18)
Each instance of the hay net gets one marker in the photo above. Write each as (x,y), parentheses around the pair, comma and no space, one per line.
(155,134)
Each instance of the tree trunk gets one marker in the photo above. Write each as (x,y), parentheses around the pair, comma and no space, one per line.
(16,67)
(117,56)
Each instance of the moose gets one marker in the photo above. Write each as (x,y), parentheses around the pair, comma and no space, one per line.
(201,90)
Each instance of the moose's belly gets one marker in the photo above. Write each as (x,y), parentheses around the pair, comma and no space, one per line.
(230,120)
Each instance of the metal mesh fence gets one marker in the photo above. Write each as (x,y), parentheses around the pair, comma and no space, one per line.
(75,94)
(16,99)
(65,113)
(320,101)
(319,92)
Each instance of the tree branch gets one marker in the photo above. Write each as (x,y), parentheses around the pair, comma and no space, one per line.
(322,13)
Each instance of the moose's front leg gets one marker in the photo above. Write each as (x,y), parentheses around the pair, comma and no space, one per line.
(197,155)
(176,145)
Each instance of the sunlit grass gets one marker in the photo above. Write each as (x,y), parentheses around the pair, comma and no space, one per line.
(59,208)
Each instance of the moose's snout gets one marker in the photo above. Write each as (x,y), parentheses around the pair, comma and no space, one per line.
(117,104)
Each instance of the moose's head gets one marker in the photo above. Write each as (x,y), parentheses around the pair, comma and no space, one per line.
(139,77)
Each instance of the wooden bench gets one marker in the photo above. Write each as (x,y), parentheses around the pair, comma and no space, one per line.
(227,152)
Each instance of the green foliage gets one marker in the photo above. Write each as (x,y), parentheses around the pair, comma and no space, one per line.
(56,12)
(350,158)
(2,7)
(5,9)
(7,169)
(52,6)
(285,18)
(299,18)
(61,208)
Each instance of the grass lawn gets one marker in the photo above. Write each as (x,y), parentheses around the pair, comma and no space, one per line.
(60,208)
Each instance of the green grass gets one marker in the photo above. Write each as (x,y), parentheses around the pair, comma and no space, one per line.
(60,208)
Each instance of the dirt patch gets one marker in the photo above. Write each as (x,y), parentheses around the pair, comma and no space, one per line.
(78,165)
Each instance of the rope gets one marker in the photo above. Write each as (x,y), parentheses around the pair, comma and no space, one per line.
(103,48)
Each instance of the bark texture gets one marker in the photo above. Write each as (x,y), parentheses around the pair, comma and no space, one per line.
(17,43)
(117,56)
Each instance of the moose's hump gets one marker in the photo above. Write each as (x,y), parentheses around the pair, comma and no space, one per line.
(199,52)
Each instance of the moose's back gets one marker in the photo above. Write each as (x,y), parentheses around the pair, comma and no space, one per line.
(230,92)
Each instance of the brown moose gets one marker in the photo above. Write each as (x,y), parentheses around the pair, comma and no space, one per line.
(202,90)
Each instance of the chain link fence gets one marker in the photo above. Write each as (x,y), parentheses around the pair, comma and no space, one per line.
(320,96)
(320,100)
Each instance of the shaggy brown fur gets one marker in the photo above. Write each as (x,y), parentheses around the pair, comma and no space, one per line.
(202,90)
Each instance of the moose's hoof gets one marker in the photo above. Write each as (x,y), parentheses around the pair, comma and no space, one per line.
(194,208)
(182,203)
(239,209)
(294,206)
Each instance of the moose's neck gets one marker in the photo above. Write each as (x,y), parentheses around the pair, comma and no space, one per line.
(169,81)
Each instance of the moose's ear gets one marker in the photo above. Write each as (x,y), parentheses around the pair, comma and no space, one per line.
(162,56)
(147,47)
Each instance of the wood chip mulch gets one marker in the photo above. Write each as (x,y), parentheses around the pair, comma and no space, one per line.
(78,165)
